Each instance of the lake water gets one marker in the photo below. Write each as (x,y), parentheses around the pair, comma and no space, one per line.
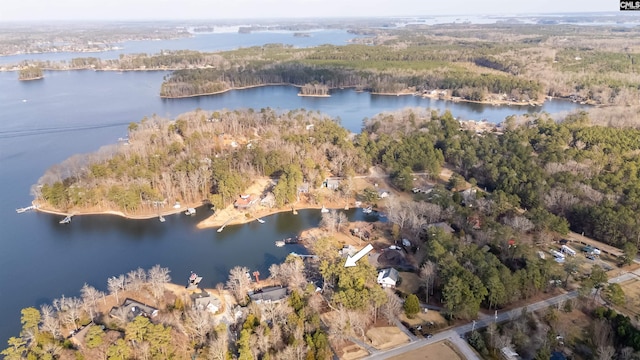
(77,112)
(207,42)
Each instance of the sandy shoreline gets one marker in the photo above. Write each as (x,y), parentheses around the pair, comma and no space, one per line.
(213,221)
(171,211)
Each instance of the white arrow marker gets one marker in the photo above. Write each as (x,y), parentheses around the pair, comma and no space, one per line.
(351,261)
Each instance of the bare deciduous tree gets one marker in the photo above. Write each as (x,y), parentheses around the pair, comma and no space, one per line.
(219,346)
(198,323)
(90,297)
(49,321)
(70,310)
(135,279)
(428,272)
(392,308)
(519,223)
(158,277)
(115,284)
(239,283)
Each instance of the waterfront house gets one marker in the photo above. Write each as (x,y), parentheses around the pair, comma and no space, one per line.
(203,300)
(268,200)
(245,202)
(131,309)
(388,278)
(271,294)
(332,183)
(303,188)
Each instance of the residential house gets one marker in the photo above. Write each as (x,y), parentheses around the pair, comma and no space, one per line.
(444,226)
(332,183)
(203,300)
(383,194)
(268,200)
(388,278)
(131,309)
(245,202)
(304,188)
(271,294)
(507,353)
(469,196)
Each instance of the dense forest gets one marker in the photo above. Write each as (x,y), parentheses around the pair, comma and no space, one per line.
(30,73)
(588,175)
(536,179)
(490,63)
(203,156)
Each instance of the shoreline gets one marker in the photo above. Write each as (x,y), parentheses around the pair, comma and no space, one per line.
(210,222)
(172,211)
(310,95)
(227,90)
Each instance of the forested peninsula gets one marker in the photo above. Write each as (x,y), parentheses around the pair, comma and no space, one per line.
(495,64)
(572,172)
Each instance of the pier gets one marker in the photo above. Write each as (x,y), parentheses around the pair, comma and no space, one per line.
(304,256)
(225,224)
(24,209)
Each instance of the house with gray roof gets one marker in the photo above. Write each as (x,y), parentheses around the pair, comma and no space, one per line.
(268,294)
(388,278)
(203,300)
(131,309)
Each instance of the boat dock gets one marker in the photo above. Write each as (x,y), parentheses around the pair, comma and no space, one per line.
(66,220)
(225,224)
(24,209)
(304,256)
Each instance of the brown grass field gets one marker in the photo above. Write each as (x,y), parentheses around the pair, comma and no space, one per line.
(386,337)
(439,351)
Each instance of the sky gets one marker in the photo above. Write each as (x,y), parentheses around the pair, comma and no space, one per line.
(38,10)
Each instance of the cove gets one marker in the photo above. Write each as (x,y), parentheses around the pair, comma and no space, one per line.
(45,122)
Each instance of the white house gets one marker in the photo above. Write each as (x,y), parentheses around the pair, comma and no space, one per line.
(387,278)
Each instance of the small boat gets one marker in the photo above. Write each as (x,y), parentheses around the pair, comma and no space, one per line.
(260,221)
(280,243)
(66,220)
(161,218)
(190,211)
(324,209)
(367,210)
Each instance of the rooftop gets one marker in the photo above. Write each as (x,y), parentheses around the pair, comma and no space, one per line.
(269,294)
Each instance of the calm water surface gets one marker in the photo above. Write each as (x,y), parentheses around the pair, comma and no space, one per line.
(206,42)
(77,112)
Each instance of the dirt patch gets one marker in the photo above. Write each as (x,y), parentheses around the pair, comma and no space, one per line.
(410,283)
(386,337)
(572,325)
(438,351)
(394,258)
(431,316)
(631,290)
(351,351)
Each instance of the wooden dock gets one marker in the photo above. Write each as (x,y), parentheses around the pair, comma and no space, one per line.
(225,224)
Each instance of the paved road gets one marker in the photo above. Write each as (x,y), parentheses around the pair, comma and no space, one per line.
(456,334)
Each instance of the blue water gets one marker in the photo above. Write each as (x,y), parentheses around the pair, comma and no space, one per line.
(207,42)
(77,112)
